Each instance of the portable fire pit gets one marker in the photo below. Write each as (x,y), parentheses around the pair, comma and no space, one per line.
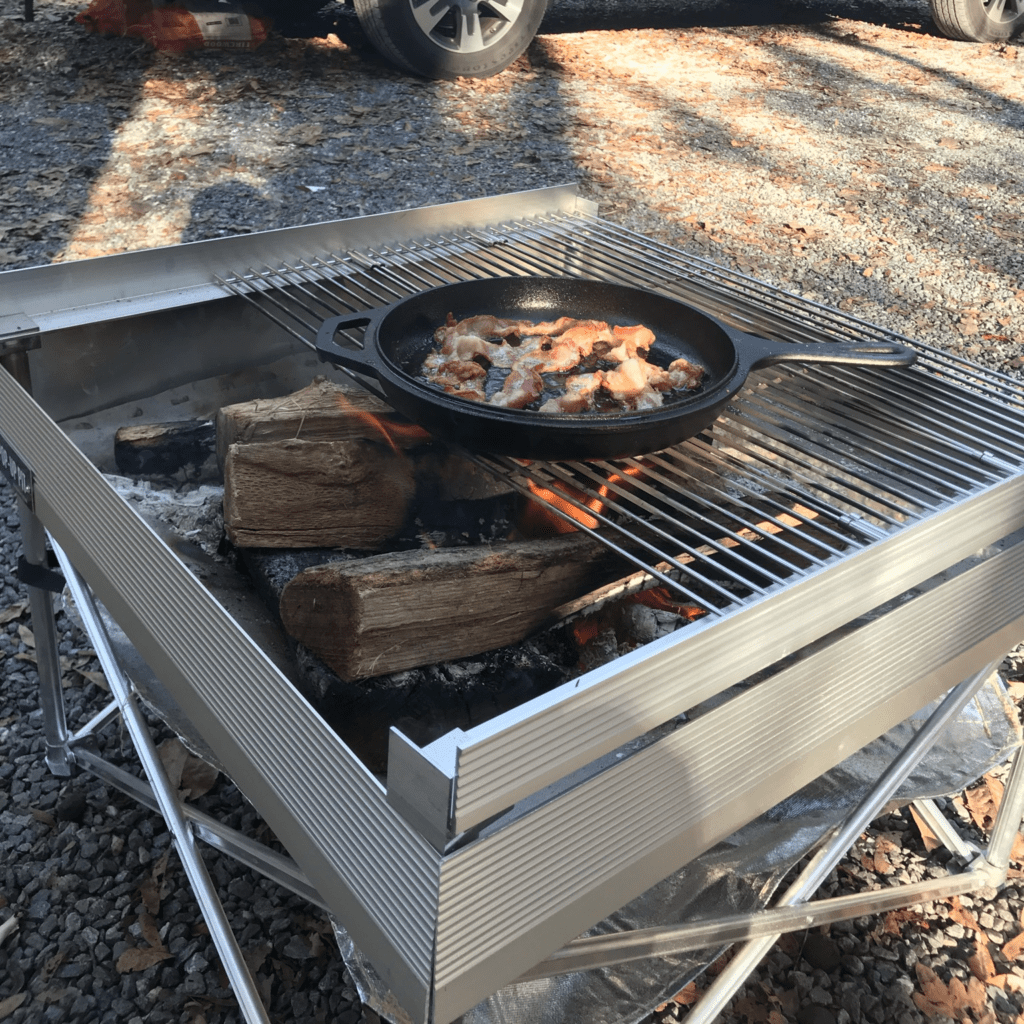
(851,535)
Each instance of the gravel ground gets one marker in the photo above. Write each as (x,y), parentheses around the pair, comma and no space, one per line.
(843,151)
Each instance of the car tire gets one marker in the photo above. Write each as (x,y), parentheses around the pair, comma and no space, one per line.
(451,38)
(979,21)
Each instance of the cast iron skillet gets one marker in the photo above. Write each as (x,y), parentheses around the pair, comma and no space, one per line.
(399,336)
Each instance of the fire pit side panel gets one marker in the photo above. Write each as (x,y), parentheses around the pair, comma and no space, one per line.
(517,895)
(525,749)
(323,805)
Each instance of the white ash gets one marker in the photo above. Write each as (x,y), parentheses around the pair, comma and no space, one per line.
(194,513)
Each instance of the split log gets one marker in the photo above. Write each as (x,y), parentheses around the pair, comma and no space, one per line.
(381,614)
(293,494)
(323,411)
(300,471)
(162,449)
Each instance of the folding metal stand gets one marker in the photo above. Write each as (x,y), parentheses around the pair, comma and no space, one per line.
(908,488)
(759,931)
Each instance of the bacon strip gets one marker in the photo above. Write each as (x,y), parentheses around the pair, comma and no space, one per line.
(527,350)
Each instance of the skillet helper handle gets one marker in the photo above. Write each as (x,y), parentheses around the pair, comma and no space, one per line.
(758,352)
(362,360)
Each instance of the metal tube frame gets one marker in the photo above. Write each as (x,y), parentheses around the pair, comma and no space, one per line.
(170,807)
(603,950)
(876,500)
(760,929)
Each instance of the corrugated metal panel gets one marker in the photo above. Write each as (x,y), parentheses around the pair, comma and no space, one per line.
(548,876)
(322,803)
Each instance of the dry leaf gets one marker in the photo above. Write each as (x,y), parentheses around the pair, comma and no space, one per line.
(688,996)
(881,861)
(45,817)
(981,965)
(198,777)
(51,995)
(983,801)
(28,638)
(933,1000)
(150,930)
(1017,853)
(11,1003)
(776,1018)
(893,921)
(10,613)
(132,960)
(977,997)
(150,892)
(255,957)
(755,1013)
(928,837)
(98,678)
(154,889)
(1014,948)
(962,916)
(173,756)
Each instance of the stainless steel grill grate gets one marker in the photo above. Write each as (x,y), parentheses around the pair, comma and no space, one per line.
(805,466)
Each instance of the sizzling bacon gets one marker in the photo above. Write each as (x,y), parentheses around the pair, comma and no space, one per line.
(632,342)
(485,327)
(527,350)
(522,386)
(580,394)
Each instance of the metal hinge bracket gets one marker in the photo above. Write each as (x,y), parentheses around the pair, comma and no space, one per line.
(18,333)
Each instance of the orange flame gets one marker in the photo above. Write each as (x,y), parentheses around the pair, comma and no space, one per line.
(536,521)
(395,432)
(660,599)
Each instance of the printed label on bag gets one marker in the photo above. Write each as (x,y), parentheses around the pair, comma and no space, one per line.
(224,31)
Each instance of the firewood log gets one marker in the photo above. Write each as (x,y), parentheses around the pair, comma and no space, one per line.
(162,449)
(292,494)
(384,613)
(323,411)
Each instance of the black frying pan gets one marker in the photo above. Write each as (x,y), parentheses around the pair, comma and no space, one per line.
(398,338)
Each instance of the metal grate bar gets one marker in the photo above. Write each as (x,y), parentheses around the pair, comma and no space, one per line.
(659,508)
(960,418)
(820,477)
(680,470)
(824,462)
(728,464)
(902,438)
(881,459)
(831,457)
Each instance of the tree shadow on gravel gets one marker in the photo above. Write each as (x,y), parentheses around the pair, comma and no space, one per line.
(63,99)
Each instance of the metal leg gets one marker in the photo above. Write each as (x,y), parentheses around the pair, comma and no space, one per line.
(1008,819)
(44,626)
(30,11)
(213,912)
(945,831)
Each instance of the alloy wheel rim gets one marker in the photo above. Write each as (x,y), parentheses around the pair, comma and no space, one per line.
(470,26)
(1003,10)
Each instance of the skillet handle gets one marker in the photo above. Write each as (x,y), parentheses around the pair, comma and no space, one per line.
(757,352)
(362,360)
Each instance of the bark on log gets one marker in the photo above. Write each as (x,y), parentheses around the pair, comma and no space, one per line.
(294,494)
(376,615)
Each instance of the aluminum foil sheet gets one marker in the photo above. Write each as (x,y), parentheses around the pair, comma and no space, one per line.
(737,876)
